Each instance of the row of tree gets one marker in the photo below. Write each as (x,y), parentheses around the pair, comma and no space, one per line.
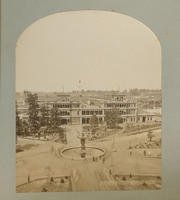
(112,119)
(38,117)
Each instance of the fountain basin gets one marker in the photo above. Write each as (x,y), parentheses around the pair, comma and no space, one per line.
(74,153)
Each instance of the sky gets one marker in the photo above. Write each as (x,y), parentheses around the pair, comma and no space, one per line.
(105,50)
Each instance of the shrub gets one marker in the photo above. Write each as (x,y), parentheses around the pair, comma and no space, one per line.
(52,179)
(124,178)
(62,180)
(44,190)
(144,184)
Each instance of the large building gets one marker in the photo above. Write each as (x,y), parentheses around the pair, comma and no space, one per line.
(75,112)
(80,110)
(127,107)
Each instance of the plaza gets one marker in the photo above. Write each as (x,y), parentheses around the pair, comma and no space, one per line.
(89,175)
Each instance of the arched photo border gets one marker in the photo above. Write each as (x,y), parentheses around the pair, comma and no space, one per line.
(162,17)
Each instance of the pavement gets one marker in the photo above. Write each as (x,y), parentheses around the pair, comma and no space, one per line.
(40,161)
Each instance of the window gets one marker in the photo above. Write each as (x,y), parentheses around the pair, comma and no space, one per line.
(83,120)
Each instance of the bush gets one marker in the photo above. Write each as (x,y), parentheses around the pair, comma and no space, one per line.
(44,190)
(150,135)
(144,184)
(124,178)
(18,149)
(62,180)
(52,179)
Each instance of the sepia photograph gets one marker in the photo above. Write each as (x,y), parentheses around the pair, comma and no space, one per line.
(88,104)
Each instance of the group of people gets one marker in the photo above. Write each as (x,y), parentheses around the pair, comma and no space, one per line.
(96,159)
(146,153)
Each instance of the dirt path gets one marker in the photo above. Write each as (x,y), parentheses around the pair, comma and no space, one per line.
(93,177)
(87,180)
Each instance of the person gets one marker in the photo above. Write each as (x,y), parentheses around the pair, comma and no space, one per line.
(149,153)
(28,179)
(130,153)
(144,152)
(110,172)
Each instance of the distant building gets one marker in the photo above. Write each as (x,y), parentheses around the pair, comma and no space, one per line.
(127,107)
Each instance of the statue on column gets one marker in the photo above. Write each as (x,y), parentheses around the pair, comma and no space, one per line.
(83,147)
(83,140)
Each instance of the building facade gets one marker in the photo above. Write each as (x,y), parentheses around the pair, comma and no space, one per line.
(80,112)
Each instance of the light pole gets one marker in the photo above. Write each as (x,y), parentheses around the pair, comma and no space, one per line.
(112,150)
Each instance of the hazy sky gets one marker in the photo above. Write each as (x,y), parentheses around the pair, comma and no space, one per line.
(105,50)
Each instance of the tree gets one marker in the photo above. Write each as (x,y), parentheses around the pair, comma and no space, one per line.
(25,128)
(150,135)
(54,118)
(19,129)
(94,121)
(33,113)
(93,124)
(44,118)
(26,96)
(61,133)
(112,118)
(55,122)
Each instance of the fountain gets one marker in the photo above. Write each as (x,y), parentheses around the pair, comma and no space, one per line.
(82,152)
(83,147)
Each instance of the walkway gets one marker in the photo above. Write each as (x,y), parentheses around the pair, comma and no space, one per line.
(72,133)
